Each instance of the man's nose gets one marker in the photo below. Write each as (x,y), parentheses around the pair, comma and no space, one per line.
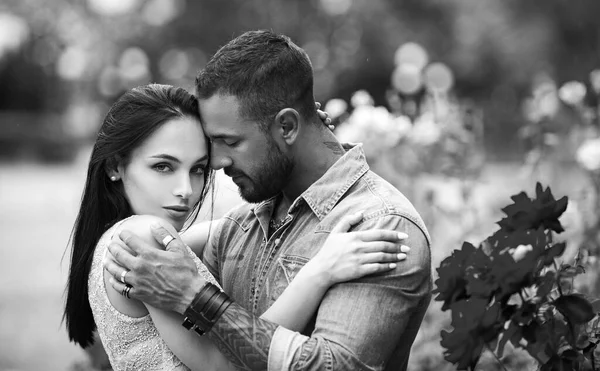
(219,161)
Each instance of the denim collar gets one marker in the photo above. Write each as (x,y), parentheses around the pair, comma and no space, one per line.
(325,193)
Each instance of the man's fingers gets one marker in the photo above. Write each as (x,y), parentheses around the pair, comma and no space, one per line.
(381,235)
(347,222)
(120,287)
(121,255)
(318,105)
(135,243)
(165,239)
(116,271)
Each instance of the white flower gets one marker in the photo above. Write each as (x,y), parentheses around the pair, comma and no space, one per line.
(425,131)
(588,154)
(361,98)
(336,107)
(572,92)
(595,80)
(520,252)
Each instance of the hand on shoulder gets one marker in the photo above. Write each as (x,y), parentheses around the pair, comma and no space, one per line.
(141,226)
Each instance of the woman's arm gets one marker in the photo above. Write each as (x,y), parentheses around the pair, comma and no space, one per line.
(343,257)
(196,352)
(196,235)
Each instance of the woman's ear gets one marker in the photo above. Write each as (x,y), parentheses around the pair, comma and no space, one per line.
(287,124)
(114,169)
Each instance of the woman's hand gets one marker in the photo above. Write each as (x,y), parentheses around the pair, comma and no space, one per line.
(324,116)
(350,255)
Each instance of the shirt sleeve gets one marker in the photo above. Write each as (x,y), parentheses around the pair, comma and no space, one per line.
(361,323)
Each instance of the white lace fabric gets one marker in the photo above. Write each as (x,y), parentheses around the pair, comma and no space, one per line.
(131,343)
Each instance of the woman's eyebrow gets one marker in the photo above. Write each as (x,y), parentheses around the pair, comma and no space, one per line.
(164,156)
(203,158)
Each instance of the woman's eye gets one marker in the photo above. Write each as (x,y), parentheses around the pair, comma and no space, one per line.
(162,168)
(198,170)
(231,143)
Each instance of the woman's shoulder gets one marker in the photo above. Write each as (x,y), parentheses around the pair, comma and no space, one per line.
(141,226)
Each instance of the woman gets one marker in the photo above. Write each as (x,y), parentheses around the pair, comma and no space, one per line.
(150,163)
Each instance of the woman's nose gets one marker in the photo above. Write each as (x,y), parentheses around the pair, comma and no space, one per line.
(184,187)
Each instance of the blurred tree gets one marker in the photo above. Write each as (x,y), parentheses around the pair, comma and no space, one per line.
(75,48)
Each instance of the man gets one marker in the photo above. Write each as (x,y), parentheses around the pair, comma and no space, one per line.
(257,107)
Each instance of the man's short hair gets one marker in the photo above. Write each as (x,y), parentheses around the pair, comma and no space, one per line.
(266,72)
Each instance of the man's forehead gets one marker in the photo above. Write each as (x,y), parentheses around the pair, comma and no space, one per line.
(220,116)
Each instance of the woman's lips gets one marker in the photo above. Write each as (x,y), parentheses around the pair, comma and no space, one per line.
(177,212)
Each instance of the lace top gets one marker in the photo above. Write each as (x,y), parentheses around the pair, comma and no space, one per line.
(131,343)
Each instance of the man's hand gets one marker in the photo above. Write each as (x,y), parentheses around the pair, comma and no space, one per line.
(166,279)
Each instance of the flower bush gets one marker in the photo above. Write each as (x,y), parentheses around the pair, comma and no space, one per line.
(510,288)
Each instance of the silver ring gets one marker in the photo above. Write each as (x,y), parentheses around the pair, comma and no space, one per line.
(123,276)
(127,289)
(167,240)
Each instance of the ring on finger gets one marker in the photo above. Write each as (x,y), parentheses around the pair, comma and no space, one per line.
(123,276)
(167,240)
(127,289)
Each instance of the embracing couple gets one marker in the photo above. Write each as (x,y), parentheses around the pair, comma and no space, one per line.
(326,267)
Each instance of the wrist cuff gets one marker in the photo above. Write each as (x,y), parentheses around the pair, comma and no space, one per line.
(206,308)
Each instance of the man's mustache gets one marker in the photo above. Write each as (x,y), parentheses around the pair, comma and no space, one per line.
(233,173)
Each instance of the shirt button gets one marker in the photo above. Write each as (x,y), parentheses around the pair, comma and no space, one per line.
(277,241)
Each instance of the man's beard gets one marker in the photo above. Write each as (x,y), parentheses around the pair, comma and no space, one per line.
(274,174)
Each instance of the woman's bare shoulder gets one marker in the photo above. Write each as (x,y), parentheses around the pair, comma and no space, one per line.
(140,226)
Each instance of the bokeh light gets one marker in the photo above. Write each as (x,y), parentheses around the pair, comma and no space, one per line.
(113,7)
(407,78)
(411,53)
(14,31)
(438,77)
(72,63)
(160,12)
(336,7)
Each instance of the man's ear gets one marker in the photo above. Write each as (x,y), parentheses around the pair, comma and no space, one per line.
(287,125)
(114,168)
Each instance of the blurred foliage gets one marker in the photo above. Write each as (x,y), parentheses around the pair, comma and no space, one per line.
(74,57)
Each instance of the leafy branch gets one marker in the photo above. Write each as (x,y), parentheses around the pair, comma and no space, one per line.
(510,288)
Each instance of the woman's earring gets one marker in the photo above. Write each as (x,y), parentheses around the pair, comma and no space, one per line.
(113,178)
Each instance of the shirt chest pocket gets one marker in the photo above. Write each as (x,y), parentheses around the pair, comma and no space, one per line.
(286,269)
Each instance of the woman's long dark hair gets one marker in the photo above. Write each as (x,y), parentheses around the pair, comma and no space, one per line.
(129,122)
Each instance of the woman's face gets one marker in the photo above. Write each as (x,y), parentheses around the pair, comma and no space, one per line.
(165,175)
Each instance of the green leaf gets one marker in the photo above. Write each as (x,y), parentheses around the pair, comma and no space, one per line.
(525,213)
(575,308)
(513,332)
(553,252)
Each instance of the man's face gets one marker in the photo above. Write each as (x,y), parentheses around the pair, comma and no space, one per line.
(246,153)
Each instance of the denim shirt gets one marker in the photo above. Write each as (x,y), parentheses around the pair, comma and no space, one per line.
(365,324)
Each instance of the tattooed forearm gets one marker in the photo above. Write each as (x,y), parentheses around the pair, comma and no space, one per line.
(243,338)
(335,147)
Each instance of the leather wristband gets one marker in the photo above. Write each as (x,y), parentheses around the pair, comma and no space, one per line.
(206,308)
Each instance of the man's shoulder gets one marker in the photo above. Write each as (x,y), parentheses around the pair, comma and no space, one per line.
(377,198)
(377,194)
